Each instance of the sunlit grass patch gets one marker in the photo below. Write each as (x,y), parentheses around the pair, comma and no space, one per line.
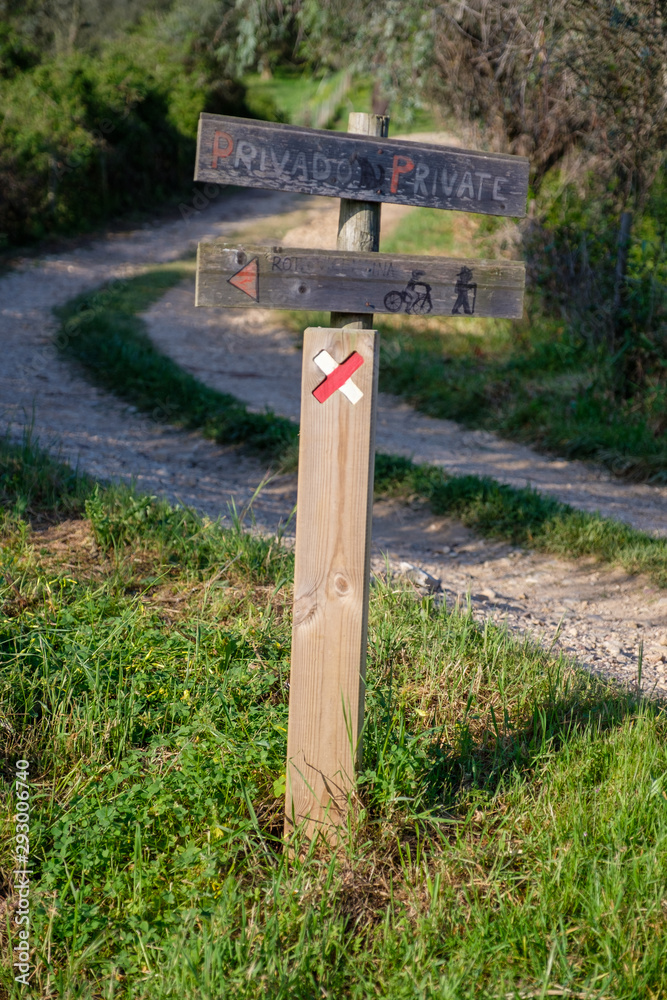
(510,826)
(102,331)
(525,517)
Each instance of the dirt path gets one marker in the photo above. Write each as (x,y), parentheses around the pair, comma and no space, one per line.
(597,615)
(252,356)
(105,436)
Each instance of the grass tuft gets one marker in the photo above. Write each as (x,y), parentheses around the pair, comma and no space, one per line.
(102,331)
(179,538)
(37,486)
(525,517)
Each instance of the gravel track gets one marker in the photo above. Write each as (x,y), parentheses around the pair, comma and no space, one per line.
(596,615)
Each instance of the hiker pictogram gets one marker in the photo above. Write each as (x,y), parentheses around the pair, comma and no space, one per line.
(338,377)
(463,286)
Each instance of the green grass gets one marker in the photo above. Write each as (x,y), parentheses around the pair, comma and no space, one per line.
(525,517)
(102,332)
(426,231)
(36,485)
(298,97)
(511,831)
(549,393)
(532,380)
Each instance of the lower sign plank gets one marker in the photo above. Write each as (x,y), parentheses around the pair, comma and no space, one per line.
(289,278)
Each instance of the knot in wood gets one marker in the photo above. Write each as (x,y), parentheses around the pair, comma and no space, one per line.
(305,609)
(341,584)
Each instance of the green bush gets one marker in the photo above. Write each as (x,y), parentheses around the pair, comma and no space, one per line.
(572,253)
(94,135)
(16,54)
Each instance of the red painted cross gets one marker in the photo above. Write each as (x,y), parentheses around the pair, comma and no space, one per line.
(338,376)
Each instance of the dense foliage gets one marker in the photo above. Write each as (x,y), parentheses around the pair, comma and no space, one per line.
(572,250)
(90,134)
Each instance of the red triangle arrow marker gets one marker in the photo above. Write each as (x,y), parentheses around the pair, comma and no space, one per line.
(247,279)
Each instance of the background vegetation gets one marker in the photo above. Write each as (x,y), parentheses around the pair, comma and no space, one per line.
(99,110)
(100,101)
(90,131)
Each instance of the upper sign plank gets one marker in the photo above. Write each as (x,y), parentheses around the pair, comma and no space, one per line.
(288,278)
(343,165)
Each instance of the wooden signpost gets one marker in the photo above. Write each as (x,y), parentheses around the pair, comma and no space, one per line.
(332,572)
(243,276)
(339,384)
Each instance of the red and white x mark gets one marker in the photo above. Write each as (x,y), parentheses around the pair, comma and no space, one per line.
(338,376)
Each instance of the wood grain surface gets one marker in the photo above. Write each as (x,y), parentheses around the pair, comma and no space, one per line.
(359,221)
(331,582)
(354,282)
(347,165)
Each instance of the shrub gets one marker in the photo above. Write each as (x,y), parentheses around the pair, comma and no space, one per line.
(572,254)
(90,136)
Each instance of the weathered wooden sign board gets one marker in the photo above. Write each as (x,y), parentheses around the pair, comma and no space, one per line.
(249,276)
(339,384)
(345,165)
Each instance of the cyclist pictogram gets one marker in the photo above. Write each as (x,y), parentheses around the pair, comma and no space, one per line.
(414,301)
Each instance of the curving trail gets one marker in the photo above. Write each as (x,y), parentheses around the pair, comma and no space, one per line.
(597,615)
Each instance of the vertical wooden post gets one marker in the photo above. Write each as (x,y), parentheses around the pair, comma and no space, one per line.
(359,221)
(332,558)
(331,579)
